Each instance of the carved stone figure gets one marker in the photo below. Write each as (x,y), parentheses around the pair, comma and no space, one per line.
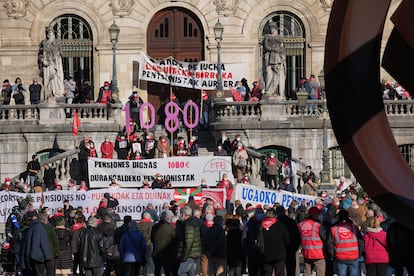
(50,63)
(121,7)
(16,8)
(226,7)
(275,61)
(327,4)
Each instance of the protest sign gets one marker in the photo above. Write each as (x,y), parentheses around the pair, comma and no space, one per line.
(196,75)
(180,171)
(258,195)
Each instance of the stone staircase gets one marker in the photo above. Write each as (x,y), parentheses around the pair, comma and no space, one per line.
(206,140)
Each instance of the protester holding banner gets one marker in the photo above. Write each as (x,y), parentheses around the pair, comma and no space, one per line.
(122,146)
(150,146)
(163,147)
(226,184)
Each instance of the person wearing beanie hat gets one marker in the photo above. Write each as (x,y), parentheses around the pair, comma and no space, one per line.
(112,202)
(91,248)
(132,249)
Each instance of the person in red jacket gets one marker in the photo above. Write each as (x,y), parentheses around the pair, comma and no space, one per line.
(376,254)
(313,237)
(347,244)
(226,183)
(107,148)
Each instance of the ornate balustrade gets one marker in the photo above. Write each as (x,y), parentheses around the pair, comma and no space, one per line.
(45,113)
(228,111)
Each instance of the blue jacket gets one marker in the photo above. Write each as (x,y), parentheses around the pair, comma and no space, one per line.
(132,247)
(36,245)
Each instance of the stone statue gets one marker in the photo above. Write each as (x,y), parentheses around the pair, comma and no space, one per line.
(275,61)
(50,63)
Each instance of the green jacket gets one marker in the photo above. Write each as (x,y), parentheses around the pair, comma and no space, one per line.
(53,240)
(189,238)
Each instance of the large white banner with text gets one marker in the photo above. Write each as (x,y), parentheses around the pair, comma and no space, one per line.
(131,201)
(257,195)
(181,171)
(196,75)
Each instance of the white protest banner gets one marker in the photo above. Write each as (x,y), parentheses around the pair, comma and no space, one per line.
(258,195)
(181,171)
(131,201)
(285,198)
(196,75)
(255,195)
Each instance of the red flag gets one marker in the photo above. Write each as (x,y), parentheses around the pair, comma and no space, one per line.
(237,97)
(75,124)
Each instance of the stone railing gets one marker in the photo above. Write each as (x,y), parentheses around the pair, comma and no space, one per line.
(47,113)
(228,111)
(61,163)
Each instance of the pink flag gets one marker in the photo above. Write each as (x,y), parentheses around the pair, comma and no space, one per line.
(127,117)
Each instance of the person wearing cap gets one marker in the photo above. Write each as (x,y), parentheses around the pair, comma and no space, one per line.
(91,248)
(132,249)
(240,157)
(314,237)
(346,245)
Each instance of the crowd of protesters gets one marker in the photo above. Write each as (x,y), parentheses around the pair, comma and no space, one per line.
(338,234)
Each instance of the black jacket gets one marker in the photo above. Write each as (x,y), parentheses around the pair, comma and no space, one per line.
(276,240)
(214,242)
(91,248)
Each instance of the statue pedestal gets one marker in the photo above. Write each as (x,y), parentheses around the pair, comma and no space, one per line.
(274,108)
(52,113)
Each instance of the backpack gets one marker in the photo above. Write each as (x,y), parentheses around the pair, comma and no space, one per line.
(259,242)
(111,249)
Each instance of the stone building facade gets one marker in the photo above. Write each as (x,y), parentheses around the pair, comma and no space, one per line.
(87,50)
(182,29)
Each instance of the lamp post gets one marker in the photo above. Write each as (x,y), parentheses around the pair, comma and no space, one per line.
(113,34)
(325,173)
(218,35)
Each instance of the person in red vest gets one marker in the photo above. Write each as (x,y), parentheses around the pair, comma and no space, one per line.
(107,148)
(347,245)
(226,183)
(313,236)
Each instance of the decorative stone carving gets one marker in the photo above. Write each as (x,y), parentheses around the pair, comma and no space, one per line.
(226,7)
(327,4)
(16,8)
(121,7)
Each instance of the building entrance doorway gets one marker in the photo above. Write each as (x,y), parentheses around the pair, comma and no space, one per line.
(175,32)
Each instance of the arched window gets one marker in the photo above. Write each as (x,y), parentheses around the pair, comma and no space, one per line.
(292,30)
(77,47)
